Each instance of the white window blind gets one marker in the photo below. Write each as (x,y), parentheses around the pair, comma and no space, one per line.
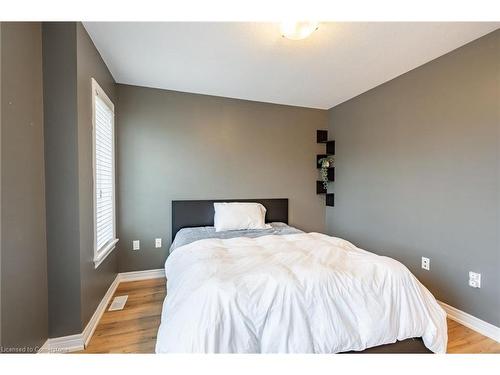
(104,189)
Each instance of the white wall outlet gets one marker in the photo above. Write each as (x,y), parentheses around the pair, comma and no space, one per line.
(474,279)
(158,242)
(426,263)
(136,245)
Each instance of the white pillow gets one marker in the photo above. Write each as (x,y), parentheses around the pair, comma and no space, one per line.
(239,215)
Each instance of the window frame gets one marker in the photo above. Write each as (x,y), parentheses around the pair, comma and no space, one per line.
(106,249)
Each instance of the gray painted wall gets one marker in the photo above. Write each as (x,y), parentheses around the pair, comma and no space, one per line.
(24,262)
(94,282)
(417,173)
(173,145)
(75,287)
(1,342)
(61,171)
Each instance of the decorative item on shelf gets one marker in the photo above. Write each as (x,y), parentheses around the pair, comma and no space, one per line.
(326,164)
(320,188)
(318,158)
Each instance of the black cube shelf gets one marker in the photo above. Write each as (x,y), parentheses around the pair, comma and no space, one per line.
(322,137)
(331,174)
(330,200)
(330,147)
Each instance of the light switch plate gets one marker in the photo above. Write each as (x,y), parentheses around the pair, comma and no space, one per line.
(158,242)
(136,245)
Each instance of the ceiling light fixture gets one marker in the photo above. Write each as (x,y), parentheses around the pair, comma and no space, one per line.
(298,30)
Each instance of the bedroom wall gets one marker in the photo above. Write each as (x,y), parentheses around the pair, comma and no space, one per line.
(1,342)
(173,145)
(417,173)
(75,287)
(23,245)
(61,171)
(94,282)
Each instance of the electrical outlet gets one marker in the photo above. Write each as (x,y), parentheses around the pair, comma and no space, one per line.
(426,263)
(136,245)
(158,242)
(474,279)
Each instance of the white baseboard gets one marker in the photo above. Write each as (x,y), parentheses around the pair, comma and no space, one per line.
(77,342)
(64,344)
(141,275)
(92,324)
(44,348)
(476,324)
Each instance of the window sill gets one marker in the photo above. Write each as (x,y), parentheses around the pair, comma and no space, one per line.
(104,253)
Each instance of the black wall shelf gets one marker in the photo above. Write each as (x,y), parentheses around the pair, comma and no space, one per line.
(330,147)
(322,137)
(331,174)
(330,200)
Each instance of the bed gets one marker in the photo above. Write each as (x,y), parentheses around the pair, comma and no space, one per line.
(281,290)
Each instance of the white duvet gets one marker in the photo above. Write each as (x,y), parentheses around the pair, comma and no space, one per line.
(298,293)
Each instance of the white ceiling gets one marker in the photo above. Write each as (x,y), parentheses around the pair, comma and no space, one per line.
(252,61)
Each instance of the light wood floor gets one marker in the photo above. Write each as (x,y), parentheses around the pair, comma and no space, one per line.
(133,329)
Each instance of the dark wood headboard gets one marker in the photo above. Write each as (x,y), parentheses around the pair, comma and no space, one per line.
(200,213)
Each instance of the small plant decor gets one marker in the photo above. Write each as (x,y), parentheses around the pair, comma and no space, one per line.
(325,163)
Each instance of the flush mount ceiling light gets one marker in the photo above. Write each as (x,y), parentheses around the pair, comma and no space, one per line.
(298,30)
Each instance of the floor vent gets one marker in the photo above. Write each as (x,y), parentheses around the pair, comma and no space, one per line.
(118,303)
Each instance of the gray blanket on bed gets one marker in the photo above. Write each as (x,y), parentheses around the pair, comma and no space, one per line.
(188,235)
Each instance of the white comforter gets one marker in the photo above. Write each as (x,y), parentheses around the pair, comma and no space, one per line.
(298,293)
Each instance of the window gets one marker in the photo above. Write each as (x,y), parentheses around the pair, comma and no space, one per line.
(103,123)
